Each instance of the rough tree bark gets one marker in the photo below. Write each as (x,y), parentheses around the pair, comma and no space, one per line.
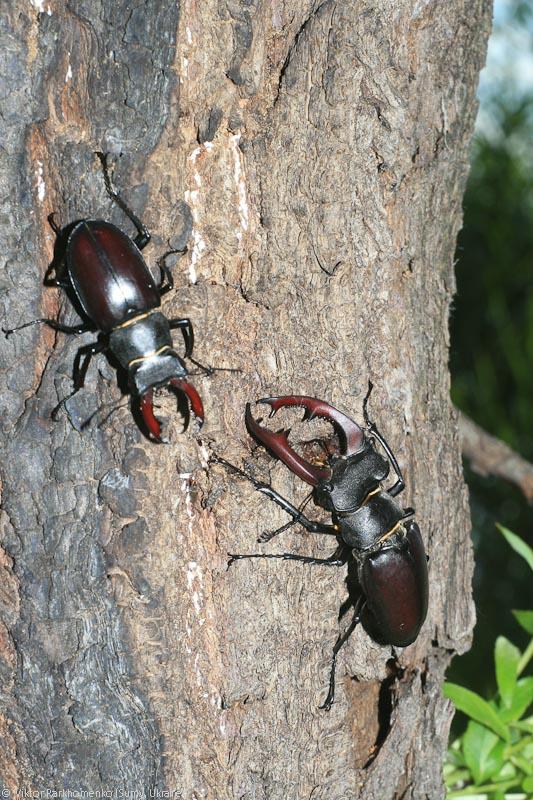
(314,156)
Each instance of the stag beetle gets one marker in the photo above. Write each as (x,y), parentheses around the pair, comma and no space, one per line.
(107,277)
(374,533)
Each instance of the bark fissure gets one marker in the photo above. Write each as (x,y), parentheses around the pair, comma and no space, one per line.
(296,40)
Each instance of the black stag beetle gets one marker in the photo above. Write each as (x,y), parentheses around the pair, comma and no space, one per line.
(106,276)
(374,532)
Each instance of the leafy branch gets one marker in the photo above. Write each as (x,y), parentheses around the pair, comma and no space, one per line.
(495,753)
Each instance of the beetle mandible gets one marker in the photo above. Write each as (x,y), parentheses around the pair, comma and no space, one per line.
(110,281)
(372,529)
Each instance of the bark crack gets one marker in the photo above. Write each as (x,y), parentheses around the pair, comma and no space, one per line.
(295,42)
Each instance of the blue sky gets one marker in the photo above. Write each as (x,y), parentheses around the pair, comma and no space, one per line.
(510,55)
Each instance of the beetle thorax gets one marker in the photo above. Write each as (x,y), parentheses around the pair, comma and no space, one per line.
(374,521)
(143,346)
(353,479)
(393,539)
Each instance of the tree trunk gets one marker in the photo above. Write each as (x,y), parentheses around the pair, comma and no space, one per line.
(314,156)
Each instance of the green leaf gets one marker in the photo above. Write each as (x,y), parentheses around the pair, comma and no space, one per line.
(522,699)
(474,706)
(508,771)
(518,545)
(527,784)
(483,752)
(523,747)
(524,764)
(524,725)
(506,658)
(526,657)
(525,619)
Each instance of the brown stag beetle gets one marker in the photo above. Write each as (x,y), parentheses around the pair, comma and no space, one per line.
(107,279)
(375,535)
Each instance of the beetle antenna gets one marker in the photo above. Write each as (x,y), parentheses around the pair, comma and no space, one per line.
(143,234)
(53,224)
(211,370)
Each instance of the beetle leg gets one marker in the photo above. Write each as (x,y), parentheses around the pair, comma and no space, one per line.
(399,486)
(166,274)
(342,639)
(266,536)
(81,365)
(53,224)
(310,525)
(143,234)
(336,559)
(187,330)
(185,325)
(83,327)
